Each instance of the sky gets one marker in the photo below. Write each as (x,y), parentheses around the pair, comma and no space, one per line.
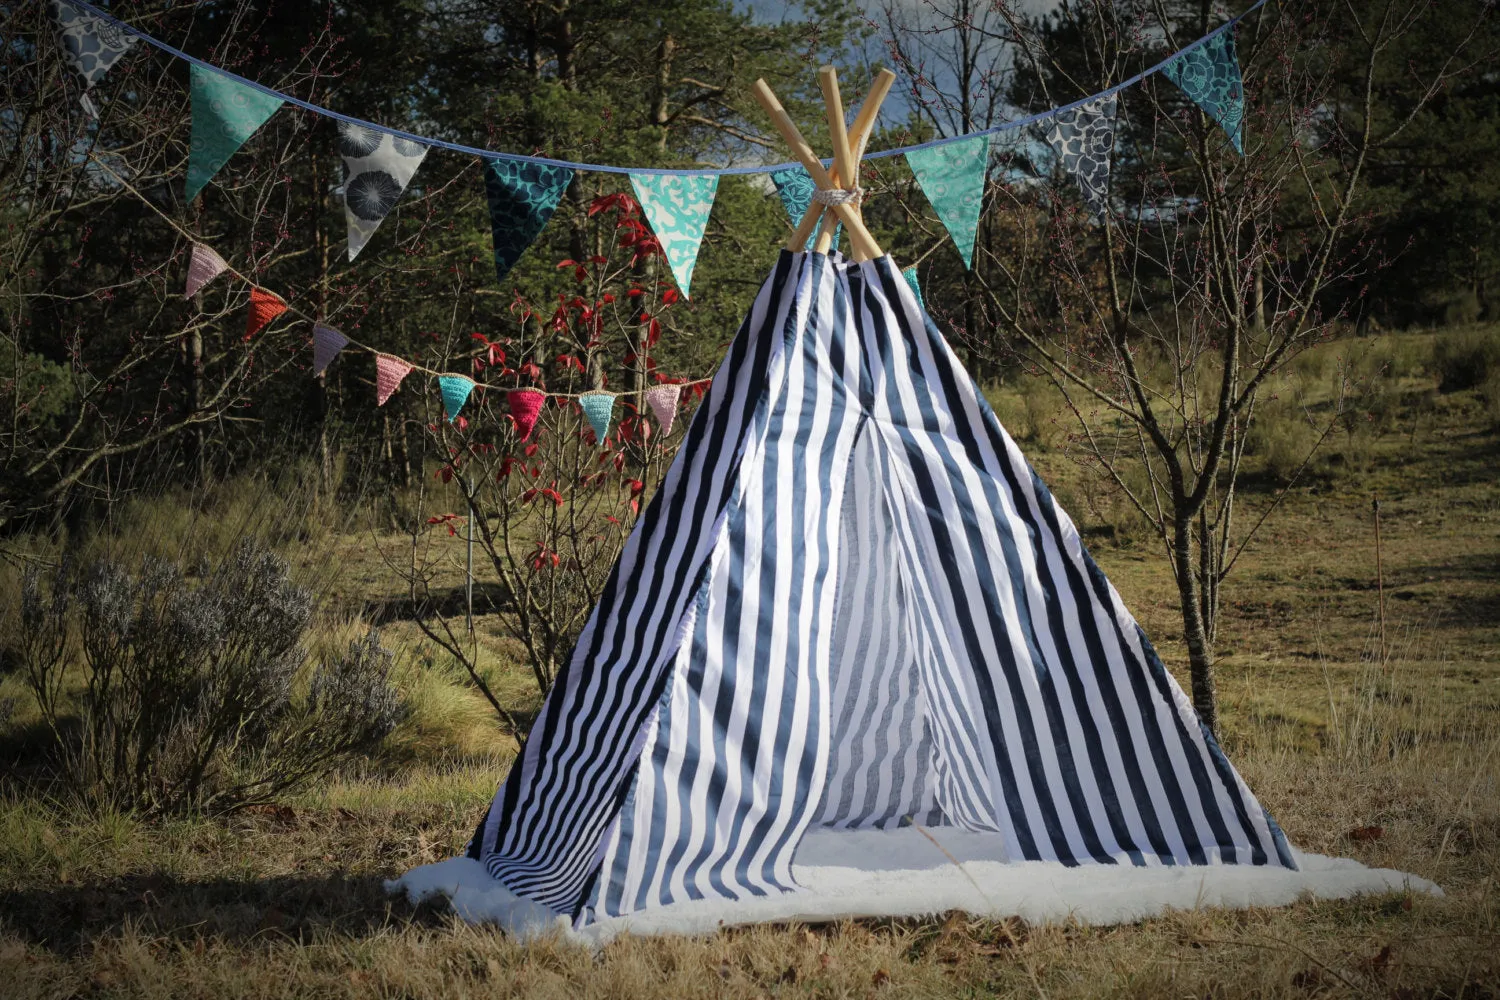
(898,106)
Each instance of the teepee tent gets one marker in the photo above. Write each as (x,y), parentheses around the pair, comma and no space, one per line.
(852,615)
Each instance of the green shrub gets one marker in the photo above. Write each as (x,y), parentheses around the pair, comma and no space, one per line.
(1466,358)
(1281,437)
(195,695)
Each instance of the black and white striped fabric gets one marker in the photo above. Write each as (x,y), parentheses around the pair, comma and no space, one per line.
(852,604)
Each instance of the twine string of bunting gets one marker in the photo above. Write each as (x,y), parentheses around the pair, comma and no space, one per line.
(289,309)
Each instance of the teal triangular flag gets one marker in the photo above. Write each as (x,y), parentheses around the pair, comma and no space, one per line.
(952,177)
(522,195)
(677,207)
(456,389)
(225,114)
(599,407)
(1210,75)
(910,274)
(795,186)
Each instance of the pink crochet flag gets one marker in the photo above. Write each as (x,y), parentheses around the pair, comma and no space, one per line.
(264,307)
(205,266)
(327,342)
(525,407)
(389,371)
(663,403)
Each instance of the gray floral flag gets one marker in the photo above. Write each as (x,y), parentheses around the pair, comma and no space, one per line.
(377,168)
(90,44)
(1084,137)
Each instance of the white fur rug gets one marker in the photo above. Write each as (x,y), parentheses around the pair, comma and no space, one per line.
(900,873)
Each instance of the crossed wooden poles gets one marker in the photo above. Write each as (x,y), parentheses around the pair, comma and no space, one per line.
(848,150)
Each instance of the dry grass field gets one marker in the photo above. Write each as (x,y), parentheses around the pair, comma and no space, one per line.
(1388,760)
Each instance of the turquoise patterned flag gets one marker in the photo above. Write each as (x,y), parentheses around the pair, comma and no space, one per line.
(677,208)
(1210,75)
(795,186)
(225,114)
(599,407)
(522,195)
(455,389)
(952,177)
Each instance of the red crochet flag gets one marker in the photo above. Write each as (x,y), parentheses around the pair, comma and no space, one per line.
(389,372)
(264,307)
(525,407)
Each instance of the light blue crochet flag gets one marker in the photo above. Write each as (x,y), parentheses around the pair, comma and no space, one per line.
(599,407)
(1210,75)
(225,114)
(455,389)
(952,177)
(677,208)
(910,274)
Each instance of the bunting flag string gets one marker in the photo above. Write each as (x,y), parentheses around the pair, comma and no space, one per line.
(1224,59)
(91,45)
(795,186)
(523,191)
(225,114)
(377,168)
(525,407)
(663,402)
(264,307)
(389,372)
(599,407)
(522,197)
(204,266)
(1210,75)
(677,209)
(1084,139)
(455,390)
(952,177)
(327,343)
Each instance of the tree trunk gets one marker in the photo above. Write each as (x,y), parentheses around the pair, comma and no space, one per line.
(664,53)
(567,63)
(1200,650)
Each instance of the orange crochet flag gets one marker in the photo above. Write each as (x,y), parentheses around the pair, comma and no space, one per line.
(264,307)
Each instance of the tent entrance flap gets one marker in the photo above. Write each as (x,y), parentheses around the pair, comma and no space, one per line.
(881,768)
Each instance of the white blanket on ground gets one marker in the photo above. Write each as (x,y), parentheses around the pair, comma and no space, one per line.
(901,873)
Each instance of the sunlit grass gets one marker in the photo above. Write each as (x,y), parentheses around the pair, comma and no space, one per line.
(1389,756)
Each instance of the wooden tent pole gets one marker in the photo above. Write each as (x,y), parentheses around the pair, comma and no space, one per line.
(864,126)
(833,105)
(859,236)
(843,155)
